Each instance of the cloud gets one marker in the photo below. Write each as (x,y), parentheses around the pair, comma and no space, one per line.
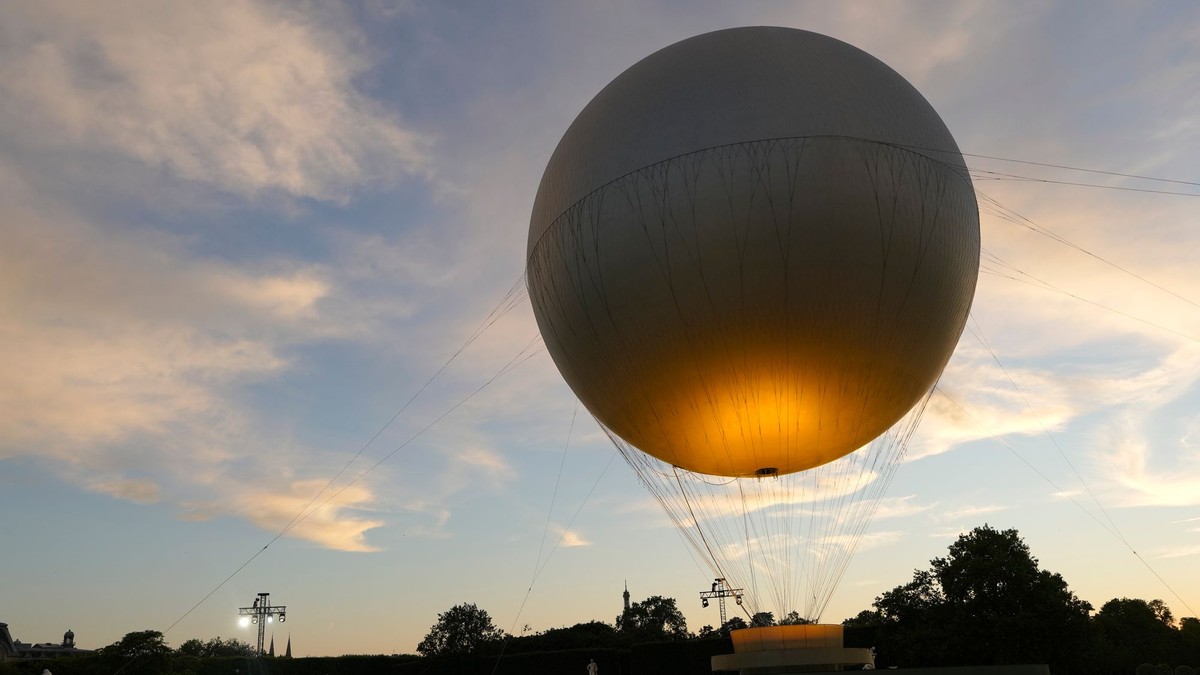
(571,538)
(970,512)
(1128,459)
(332,524)
(127,340)
(948,532)
(140,491)
(488,460)
(811,550)
(1134,482)
(866,541)
(123,359)
(1177,552)
(952,33)
(289,297)
(899,507)
(246,96)
(976,399)
(101,337)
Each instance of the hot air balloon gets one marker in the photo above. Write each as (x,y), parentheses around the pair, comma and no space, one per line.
(750,255)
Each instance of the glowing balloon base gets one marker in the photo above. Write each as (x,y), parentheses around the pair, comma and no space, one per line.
(781,650)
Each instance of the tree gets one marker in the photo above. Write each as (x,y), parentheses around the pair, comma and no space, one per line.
(735,623)
(655,618)
(215,647)
(192,647)
(987,602)
(143,651)
(1189,637)
(1131,631)
(793,618)
(590,635)
(907,621)
(1162,612)
(138,643)
(762,619)
(462,629)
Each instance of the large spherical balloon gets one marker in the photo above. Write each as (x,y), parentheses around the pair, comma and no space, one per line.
(753,251)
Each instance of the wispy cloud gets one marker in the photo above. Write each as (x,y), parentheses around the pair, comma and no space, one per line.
(104,338)
(332,524)
(247,96)
(969,512)
(571,538)
(124,353)
(1178,551)
(976,399)
(487,460)
(899,507)
(141,491)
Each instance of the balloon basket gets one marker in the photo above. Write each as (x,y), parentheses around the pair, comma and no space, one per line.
(783,650)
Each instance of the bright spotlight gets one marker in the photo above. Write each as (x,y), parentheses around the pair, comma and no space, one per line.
(282,617)
(244,621)
(270,619)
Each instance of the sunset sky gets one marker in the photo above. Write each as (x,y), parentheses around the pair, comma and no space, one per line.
(237,237)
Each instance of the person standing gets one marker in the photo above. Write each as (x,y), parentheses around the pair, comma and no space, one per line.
(592,668)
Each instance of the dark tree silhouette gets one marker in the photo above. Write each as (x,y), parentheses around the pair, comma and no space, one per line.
(1132,631)
(761,619)
(1162,612)
(138,652)
(138,643)
(986,602)
(736,623)
(462,629)
(592,634)
(215,647)
(655,618)
(1189,636)
(793,618)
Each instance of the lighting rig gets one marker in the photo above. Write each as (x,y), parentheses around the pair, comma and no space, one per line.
(262,613)
(720,591)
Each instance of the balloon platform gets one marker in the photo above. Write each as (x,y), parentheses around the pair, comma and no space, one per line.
(782,650)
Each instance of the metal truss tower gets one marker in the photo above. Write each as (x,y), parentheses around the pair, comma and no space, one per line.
(720,591)
(262,613)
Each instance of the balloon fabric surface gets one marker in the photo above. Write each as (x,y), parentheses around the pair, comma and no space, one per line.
(740,260)
(750,255)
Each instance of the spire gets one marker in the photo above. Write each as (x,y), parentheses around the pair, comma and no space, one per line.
(288,653)
(271,652)
(626,595)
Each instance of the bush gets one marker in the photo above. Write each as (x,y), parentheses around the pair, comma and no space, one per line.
(677,657)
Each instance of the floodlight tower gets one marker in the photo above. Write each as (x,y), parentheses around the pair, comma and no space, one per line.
(262,613)
(720,591)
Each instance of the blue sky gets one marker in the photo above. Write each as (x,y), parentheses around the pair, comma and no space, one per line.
(238,236)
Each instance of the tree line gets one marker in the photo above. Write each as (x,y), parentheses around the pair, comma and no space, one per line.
(986,602)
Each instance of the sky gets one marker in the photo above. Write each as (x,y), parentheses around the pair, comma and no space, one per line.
(237,237)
